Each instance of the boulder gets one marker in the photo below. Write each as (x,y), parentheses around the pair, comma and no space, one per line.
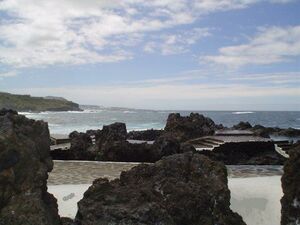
(166,145)
(123,151)
(81,146)
(182,189)
(112,132)
(242,126)
(290,202)
(188,127)
(145,135)
(24,165)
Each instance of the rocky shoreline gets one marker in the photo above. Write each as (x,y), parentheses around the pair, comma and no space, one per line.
(114,143)
(182,186)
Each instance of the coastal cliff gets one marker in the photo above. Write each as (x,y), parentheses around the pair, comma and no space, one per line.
(26,103)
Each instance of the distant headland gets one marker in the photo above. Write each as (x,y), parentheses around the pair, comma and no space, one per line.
(27,103)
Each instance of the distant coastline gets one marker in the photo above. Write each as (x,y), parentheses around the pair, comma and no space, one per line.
(27,103)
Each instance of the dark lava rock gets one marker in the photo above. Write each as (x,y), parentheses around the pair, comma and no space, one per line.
(112,132)
(263,131)
(67,221)
(81,143)
(193,126)
(289,132)
(246,153)
(182,189)
(145,135)
(4,111)
(290,202)
(123,151)
(81,148)
(24,166)
(242,126)
(166,145)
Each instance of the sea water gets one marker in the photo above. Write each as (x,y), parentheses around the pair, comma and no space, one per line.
(66,122)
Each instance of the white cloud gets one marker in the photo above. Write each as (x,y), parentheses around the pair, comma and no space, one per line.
(38,33)
(176,43)
(271,45)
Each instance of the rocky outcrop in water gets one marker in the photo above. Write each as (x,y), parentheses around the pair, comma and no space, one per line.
(145,135)
(182,189)
(290,211)
(246,153)
(188,127)
(24,166)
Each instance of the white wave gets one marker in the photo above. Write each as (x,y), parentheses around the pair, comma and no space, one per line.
(242,112)
(53,125)
(25,113)
(87,111)
(129,111)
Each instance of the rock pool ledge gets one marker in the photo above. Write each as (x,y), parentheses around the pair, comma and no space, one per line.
(85,172)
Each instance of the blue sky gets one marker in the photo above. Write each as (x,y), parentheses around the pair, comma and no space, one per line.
(160,54)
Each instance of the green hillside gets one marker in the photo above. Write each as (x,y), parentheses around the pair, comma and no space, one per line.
(29,103)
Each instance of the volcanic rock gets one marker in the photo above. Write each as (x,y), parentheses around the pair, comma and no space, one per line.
(145,135)
(242,126)
(24,166)
(290,211)
(182,189)
(246,153)
(123,151)
(81,144)
(112,132)
(184,128)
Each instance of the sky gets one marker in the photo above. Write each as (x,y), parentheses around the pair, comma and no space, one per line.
(158,54)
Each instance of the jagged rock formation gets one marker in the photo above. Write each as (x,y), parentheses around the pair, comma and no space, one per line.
(24,166)
(184,128)
(112,132)
(81,146)
(290,211)
(145,135)
(182,189)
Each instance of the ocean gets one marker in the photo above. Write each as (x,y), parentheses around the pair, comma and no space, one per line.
(66,122)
